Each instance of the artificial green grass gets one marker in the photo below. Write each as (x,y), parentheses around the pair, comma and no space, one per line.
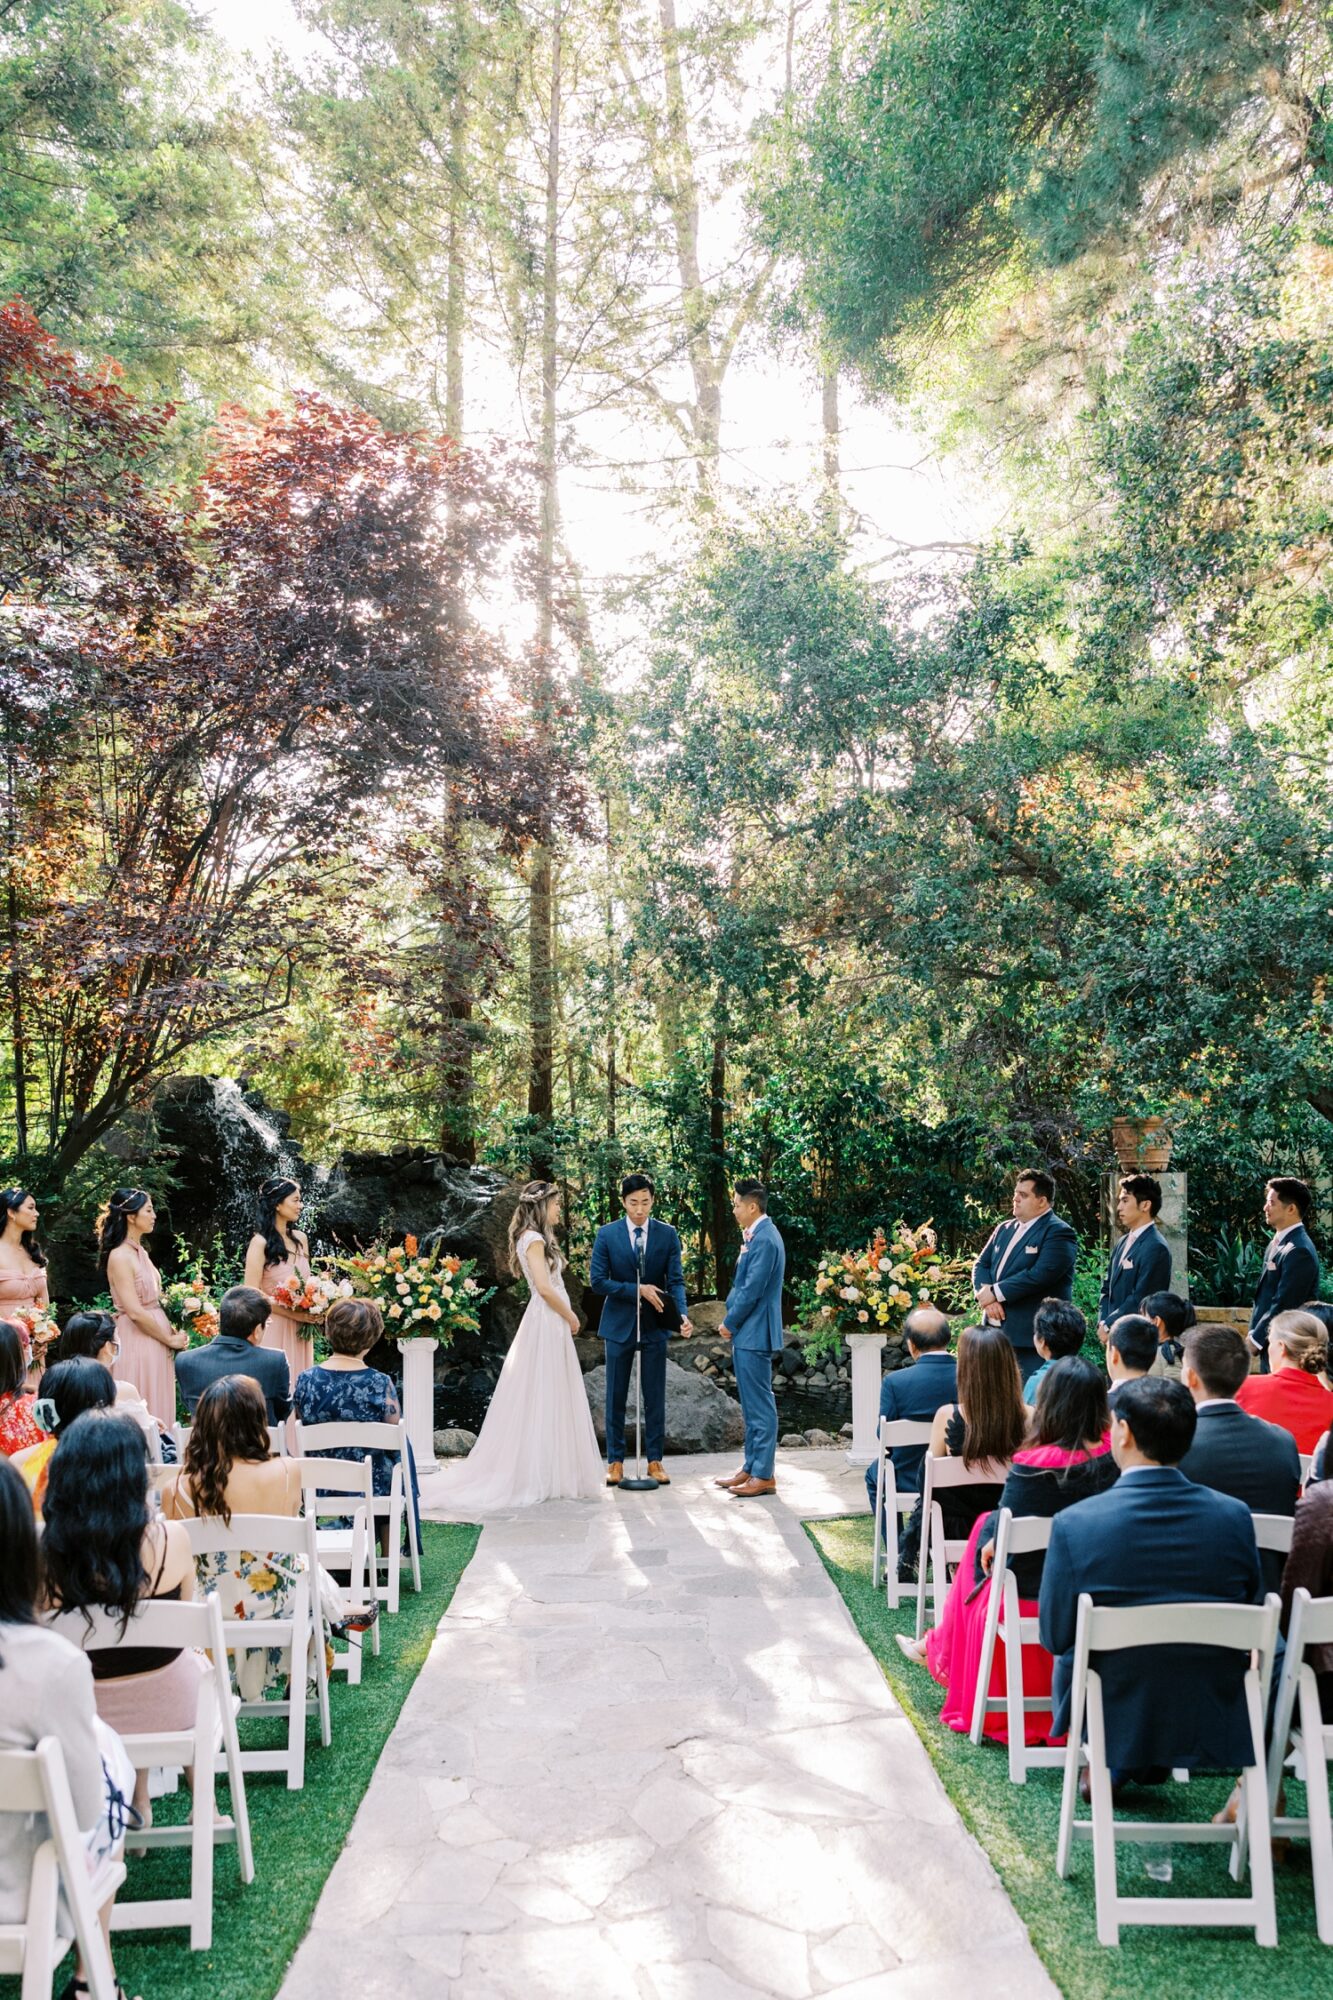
(1017,1824)
(297,1835)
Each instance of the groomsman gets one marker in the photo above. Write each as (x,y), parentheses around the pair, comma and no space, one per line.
(753,1325)
(1141,1260)
(1291,1263)
(1025,1260)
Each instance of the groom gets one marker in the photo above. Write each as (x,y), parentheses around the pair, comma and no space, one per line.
(753,1325)
(636,1266)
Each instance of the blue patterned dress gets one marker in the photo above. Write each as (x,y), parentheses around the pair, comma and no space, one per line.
(355,1396)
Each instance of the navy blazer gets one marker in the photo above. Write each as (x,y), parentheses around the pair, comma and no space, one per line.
(1126,1282)
(225,1354)
(1289,1279)
(913,1395)
(615,1275)
(1254,1462)
(1155,1538)
(1042,1267)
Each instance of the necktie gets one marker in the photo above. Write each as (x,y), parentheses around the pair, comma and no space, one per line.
(638,1245)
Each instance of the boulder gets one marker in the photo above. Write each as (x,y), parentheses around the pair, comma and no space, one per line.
(707,1315)
(699,1416)
(454,1443)
(820,1438)
(792,1441)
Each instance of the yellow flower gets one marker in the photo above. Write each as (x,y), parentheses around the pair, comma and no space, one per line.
(262,1579)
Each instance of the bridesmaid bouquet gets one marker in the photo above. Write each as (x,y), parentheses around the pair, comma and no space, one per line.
(37,1329)
(311,1296)
(190,1306)
(435,1296)
(872,1290)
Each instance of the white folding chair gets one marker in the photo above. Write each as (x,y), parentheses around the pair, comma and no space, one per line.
(212,1744)
(277,1534)
(1273,1532)
(892,1506)
(1307,1459)
(1248,1629)
(938,1474)
(344,1549)
(1028,1535)
(35,1781)
(277,1440)
(314,1438)
(1299,1724)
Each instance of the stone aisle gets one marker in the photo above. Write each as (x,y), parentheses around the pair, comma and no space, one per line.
(649,1756)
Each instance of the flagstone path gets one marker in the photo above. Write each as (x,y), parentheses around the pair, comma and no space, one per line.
(649,1756)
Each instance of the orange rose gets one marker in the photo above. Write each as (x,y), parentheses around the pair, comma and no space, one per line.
(410,1245)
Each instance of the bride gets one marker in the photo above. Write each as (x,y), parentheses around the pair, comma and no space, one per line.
(537,1442)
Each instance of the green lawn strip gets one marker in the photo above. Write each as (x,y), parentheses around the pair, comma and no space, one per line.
(1017,1824)
(297,1835)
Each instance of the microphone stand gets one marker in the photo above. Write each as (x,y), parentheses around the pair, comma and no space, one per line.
(640,1483)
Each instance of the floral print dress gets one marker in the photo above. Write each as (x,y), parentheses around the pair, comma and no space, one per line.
(356,1396)
(258,1585)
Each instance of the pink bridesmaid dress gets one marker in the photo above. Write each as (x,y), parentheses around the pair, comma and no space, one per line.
(143,1361)
(23,1288)
(296,1340)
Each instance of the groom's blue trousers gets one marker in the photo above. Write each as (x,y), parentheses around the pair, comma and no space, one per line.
(759,1407)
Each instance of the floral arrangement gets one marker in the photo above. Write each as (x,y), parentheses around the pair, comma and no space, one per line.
(871,1290)
(37,1329)
(311,1296)
(190,1306)
(433,1296)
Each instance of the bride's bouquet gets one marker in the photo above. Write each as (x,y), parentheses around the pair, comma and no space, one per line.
(191,1308)
(432,1296)
(871,1290)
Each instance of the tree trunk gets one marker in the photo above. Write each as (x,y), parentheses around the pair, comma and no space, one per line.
(719,1204)
(17,1026)
(831,499)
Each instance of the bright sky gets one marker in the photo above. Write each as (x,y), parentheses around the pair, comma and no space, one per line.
(771,426)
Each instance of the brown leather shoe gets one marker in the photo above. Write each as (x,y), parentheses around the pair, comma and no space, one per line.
(657,1471)
(734,1479)
(753,1488)
(615,1472)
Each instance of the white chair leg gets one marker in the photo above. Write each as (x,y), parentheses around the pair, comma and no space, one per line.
(39,1950)
(1254,1786)
(1317,1805)
(880,1532)
(1069,1791)
(1103,1820)
(1015,1711)
(986,1664)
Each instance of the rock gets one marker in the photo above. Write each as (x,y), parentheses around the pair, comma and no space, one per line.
(454,1443)
(820,1438)
(791,1441)
(791,1361)
(702,1363)
(707,1315)
(846,1431)
(699,1416)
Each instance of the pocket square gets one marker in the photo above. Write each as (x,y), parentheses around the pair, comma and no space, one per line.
(1032,1249)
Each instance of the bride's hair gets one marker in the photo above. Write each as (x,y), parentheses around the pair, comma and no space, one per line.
(530,1215)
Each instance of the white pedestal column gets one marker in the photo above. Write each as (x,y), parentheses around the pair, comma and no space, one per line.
(867,1370)
(419,1399)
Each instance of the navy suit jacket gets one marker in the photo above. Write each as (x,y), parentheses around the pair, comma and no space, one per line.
(754,1303)
(1155,1538)
(913,1395)
(1254,1462)
(615,1274)
(1289,1278)
(1148,1269)
(1042,1267)
(197,1367)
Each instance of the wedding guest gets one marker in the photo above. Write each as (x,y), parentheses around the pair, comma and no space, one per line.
(147,1338)
(1292,1394)
(1141,1259)
(1066,1459)
(92,1337)
(237,1348)
(1173,1318)
(913,1395)
(279,1254)
(1058,1329)
(1113,1547)
(344,1389)
(20,1433)
(1029,1258)
(1131,1349)
(22,1259)
(46,1689)
(1234,1452)
(984,1427)
(1310,1567)
(103,1549)
(66,1391)
(1291,1262)
(1320,1309)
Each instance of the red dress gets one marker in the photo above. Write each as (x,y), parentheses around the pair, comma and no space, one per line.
(1298,1402)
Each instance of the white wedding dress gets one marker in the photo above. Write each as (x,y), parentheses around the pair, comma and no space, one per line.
(537,1442)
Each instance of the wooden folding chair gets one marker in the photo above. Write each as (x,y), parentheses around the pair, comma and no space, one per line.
(1247,1629)
(938,1474)
(1007,1624)
(311,1439)
(1299,1725)
(212,1744)
(893,1505)
(35,1781)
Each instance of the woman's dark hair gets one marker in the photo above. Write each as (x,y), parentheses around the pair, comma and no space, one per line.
(113,1224)
(20,1575)
(352,1326)
(13,1367)
(270,1195)
(1176,1314)
(10,1199)
(95,1515)
(990,1395)
(230,1423)
(85,1335)
(1071,1404)
(75,1386)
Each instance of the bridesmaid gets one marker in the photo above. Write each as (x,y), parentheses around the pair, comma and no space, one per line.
(278,1254)
(22,1261)
(148,1341)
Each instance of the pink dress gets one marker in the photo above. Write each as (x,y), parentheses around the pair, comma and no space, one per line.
(23,1288)
(143,1361)
(294,1339)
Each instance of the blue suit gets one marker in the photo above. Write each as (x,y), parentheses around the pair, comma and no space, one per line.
(1041,1267)
(616,1275)
(754,1320)
(1289,1279)
(1155,1538)
(913,1395)
(1147,1268)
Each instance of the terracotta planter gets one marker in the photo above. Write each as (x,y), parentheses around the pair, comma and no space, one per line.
(1141,1142)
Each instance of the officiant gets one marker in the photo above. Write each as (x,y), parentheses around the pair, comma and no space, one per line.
(637,1269)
